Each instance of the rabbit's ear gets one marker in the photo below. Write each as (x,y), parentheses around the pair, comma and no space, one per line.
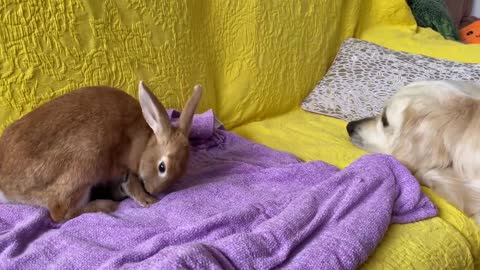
(153,111)
(186,116)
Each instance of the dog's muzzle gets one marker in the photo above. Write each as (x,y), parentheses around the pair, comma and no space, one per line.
(353,125)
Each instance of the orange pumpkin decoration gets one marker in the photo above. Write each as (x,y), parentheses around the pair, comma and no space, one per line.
(471,33)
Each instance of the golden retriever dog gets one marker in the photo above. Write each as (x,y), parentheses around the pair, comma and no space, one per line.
(433,128)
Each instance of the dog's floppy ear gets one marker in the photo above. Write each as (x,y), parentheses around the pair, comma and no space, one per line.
(460,134)
(420,143)
(462,138)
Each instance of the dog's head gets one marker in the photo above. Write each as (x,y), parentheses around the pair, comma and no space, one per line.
(424,126)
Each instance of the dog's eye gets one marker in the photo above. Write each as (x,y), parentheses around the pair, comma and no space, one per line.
(384,119)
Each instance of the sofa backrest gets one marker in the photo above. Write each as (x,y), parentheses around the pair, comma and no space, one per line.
(255,58)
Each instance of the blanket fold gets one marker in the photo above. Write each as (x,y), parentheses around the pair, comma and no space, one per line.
(241,205)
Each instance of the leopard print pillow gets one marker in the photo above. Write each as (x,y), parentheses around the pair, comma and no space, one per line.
(364,75)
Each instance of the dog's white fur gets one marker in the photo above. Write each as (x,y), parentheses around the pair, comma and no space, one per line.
(433,128)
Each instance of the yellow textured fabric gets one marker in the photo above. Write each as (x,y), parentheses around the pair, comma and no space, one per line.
(450,241)
(48,48)
(255,58)
(264,55)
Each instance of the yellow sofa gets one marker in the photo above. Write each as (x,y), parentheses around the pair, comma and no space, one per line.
(257,61)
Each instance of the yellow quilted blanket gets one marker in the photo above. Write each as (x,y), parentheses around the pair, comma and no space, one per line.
(257,59)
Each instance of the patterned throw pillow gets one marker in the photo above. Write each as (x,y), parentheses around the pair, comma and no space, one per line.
(364,76)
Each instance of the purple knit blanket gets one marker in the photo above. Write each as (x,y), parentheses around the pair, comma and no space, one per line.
(240,206)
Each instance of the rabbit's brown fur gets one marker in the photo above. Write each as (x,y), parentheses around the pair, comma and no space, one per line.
(55,154)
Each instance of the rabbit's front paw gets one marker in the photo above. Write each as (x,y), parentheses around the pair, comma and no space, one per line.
(146,201)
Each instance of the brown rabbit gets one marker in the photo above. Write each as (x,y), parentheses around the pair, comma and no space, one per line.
(54,155)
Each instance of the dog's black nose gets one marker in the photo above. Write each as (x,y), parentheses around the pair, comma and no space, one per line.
(351,127)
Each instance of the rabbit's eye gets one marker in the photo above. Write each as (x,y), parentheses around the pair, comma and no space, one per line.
(161,167)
